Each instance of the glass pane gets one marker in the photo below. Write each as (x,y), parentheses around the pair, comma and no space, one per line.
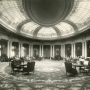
(11,13)
(80,14)
(65,28)
(47,32)
(29,28)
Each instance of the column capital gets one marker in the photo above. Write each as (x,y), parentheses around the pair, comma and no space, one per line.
(73,43)
(53,51)
(20,42)
(61,44)
(85,49)
(83,42)
(31,44)
(51,44)
(10,40)
(84,38)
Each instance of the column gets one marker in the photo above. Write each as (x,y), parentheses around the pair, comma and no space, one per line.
(32,50)
(7,49)
(10,49)
(85,49)
(19,50)
(29,50)
(53,51)
(40,51)
(63,50)
(0,49)
(74,50)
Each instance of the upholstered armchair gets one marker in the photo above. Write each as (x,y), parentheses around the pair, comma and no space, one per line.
(29,68)
(15,66)
(86,67)
(69,70)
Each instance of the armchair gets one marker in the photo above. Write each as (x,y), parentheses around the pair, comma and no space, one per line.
(29,68)
(70,70)
(15,66)
(86,67)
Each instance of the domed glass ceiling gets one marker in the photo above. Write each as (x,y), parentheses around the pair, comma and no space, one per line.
(29,28)
(47,32)
(15,19)
(65,28)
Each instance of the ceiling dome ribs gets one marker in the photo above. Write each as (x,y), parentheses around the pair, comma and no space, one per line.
(72,24)
(21,24)
(57,31)
(36,31)
(47,12)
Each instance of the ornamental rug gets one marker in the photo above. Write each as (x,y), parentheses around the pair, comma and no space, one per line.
(41,80)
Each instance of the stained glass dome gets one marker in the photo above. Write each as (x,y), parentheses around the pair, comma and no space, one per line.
(45,19)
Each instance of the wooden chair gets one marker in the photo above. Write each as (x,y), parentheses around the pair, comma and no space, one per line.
(70,70)
(29,68)
(15,66)
(86,68)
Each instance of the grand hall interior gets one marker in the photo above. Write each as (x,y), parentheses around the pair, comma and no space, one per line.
(44,44)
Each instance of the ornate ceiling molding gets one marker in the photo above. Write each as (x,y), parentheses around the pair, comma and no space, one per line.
(47,12)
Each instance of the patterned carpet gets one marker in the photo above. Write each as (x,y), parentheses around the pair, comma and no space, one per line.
(56,79)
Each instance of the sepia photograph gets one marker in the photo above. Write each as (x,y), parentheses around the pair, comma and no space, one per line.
(44,44)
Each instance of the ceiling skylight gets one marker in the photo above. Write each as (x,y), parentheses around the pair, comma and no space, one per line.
(80,14)
(47,32)
(12,16)
(29,28)
(65,28)
(10,12)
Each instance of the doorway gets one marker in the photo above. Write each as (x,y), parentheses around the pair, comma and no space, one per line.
(88,48)
(68,50)
(36,51)
(46,51)
(78,49)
